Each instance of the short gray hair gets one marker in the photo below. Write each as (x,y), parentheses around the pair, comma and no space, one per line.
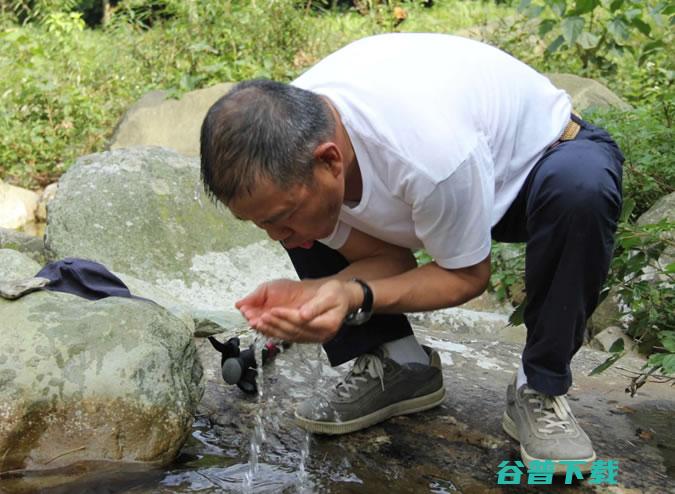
(261,128)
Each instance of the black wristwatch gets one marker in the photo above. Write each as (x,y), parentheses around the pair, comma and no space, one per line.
(363,313)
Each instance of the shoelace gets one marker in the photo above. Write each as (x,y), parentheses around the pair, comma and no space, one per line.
(366,364)
(555,410)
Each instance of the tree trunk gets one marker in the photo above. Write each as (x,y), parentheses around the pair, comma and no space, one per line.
(105,18)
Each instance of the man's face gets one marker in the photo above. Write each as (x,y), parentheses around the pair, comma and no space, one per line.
(296,215)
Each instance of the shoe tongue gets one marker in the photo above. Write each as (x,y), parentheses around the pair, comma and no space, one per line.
(527,390)
(380,352)
(548,403)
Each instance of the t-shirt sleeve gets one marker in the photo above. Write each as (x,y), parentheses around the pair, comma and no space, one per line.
(454,220)
(339,236)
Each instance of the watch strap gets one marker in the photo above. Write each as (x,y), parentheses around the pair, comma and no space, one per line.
(363,313)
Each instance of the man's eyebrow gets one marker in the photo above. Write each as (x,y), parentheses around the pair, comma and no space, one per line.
(280,214)
(271,219)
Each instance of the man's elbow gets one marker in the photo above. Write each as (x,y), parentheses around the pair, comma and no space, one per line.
(475,280)
(481,277)
(480,287)
(407,261)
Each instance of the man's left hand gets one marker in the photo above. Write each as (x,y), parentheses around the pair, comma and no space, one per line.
(317,321)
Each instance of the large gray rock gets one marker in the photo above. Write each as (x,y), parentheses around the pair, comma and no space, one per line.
(16,266)
(609,313)
(587,93)
(32,246)
(147,290)
(135,211)
(158,120)
(663,209)
(112,380)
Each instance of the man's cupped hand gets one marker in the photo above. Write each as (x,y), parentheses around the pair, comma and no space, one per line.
(299,311)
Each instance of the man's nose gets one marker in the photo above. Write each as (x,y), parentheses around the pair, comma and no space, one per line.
(277,233)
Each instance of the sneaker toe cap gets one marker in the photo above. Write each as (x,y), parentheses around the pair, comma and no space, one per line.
(561,449)
(317,410)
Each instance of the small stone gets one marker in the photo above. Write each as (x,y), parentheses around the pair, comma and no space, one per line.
(47,195)
(609,336)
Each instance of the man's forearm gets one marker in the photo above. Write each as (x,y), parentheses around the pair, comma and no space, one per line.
(372,268)
(429,287)
(398,285)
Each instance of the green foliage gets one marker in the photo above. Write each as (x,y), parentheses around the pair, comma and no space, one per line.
(626,45)
(508,268)
(664,361)
(422,257)
(26,11)
(645,286)
(64,87)
(41,110)
(645,136)
(601,31)
(62,25)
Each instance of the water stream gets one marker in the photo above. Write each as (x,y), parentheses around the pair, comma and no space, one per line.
(258,437)
(303,474)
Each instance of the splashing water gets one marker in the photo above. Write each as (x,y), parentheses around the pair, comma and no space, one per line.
(258,437)
(303,474)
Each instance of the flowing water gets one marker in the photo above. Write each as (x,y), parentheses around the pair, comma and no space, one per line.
(267,417)
(258,436)
(303,474)
(249,443)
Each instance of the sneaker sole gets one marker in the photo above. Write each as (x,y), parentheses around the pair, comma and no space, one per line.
(412,405)
(511,429)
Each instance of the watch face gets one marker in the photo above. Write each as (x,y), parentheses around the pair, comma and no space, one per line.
(357,318)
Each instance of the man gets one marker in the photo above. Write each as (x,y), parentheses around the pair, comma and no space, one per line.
(407,141)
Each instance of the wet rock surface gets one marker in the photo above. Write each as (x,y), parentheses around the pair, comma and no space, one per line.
(456,447)
(86,381)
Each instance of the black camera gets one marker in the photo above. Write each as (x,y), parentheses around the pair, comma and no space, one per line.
(239,366)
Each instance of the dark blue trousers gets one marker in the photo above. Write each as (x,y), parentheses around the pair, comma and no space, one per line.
(566,212)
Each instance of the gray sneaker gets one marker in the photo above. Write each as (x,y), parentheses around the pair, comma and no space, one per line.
(375,389)
(546,429)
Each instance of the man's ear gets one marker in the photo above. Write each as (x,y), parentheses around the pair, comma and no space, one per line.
(328,154)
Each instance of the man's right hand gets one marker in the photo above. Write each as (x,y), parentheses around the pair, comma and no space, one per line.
(276,293)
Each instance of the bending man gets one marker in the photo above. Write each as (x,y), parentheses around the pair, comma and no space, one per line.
(407,141)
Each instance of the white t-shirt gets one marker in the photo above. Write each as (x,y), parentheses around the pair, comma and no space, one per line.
(445,131)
